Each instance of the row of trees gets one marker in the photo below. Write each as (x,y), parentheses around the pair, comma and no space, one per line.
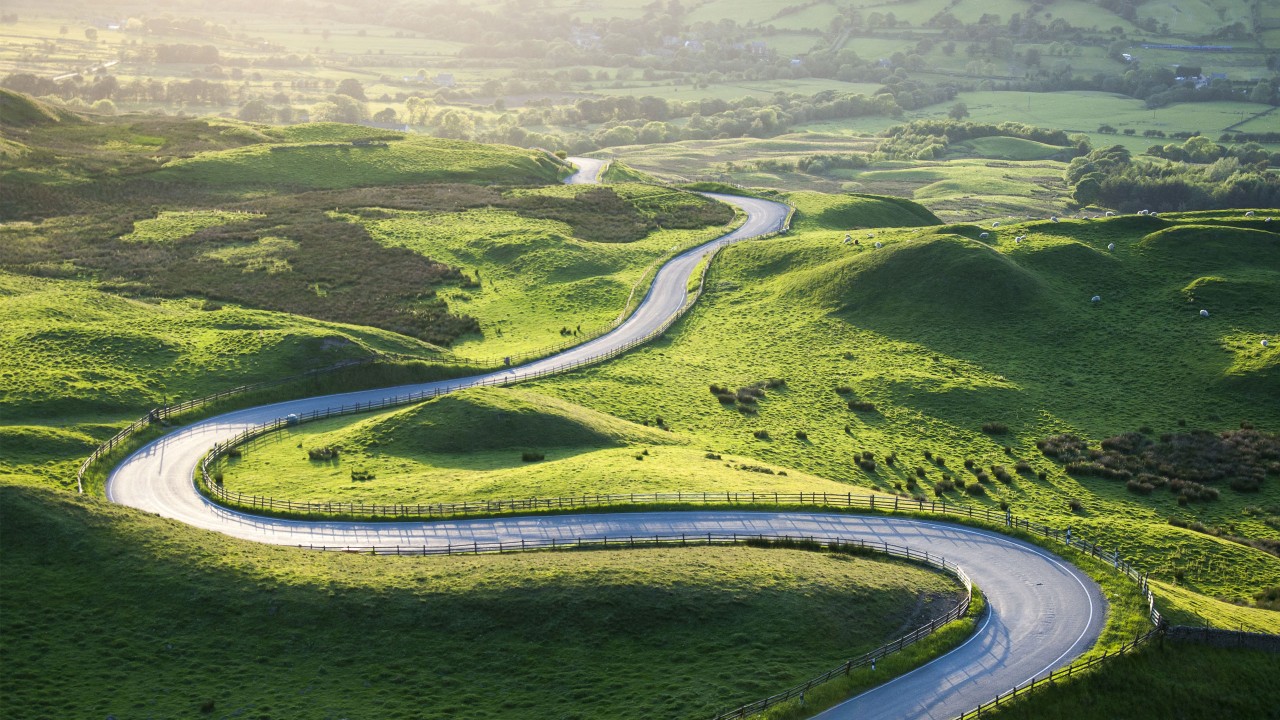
(1113,178)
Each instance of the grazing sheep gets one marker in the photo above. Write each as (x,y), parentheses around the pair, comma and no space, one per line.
(879,245)
(1096,298)
(1267,220)
(995,224)
(1017,240)
(1249,214)
(1111,246)
(1204,313)
(1053,218)
(1154,214)
(1144,212)
(1110,214)
(1266,343)
(984,236)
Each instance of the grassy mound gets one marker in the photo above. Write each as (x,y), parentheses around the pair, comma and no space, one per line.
(847,211)
(339,165)
(482,419)
(1009,148)
(1210,246)
(21,110)
(945,275)
(172,622)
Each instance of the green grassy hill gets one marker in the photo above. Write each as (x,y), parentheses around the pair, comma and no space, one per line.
(344,164)
(108,611)
(19,110)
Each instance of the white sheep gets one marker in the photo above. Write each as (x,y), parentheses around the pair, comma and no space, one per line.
(1267,220)
(1154,214)
(1111,246)
(1144,212)
(1110,214)
(1053,218)
(1249,214)
(879,245)
(1266,343)
(1204,313)
(995,224)
(984,236)
(1017,240)
(1096,298)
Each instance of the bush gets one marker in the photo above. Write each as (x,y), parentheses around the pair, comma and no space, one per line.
(928,455)
(968,464)
(361,475)
(532,456)
(944,485)
(890,459)
(982,477)
(940,461)
(714,456)
(862,406)
(325,453)
(843,390)
(1075,505)
(802,435)
(1001,474)
(919,472)
(975,489)
(867,465)
(761,434)
(995,428)
(1023,467)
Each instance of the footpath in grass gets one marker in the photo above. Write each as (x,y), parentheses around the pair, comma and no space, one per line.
(110,612)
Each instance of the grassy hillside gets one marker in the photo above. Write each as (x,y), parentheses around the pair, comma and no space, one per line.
(111,612)
(472,445)
(941,333)
(1188,682)
(343,164)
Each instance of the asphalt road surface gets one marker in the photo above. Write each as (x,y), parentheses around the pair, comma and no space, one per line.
(1043,612)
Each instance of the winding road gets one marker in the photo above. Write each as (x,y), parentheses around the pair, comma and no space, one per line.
(1043,612)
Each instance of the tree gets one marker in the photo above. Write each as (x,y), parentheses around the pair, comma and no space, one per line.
(352,89)
(385,115)
(1262,92)
(959,111)
(91,34)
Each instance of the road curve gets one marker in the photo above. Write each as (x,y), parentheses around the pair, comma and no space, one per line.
(1043,611)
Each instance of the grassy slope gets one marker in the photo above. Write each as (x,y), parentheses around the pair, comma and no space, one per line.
(324,165)
(108,611)
(469,446)
(537,277)
(944,333)
(1177,681)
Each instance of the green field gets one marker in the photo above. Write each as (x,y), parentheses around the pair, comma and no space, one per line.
(170,621)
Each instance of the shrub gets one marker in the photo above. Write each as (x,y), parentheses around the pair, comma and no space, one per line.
(532,456)
(235,453)
(982,476)
(890,459)
(325,453)
(968,464)
(1001,474)
(1042,475)
(1004,505)
(939,460)
(1137,486)
(928,455)
(1008,450)
(802,435)
(919,471)
(361,475)
(975,489)
(1022,466)
(843,390)
(714,456)
(217,478)
(761,434)
(862,406)
(995,428)
(944,485)
(867,465)
(1075,505)
(868,455)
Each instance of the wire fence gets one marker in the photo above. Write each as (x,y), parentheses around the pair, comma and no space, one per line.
(803,542)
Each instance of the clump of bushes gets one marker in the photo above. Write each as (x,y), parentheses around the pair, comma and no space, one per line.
(919,472)
(942,486)
(802,435)
(995,428)
(761,434)
(747,396)
(1075,505)
(532,456)
(982,476)
(862,406)
(1185,462)
(714,456)
(843,390)
(361,475)
(329,452)
(867,464)
(1023,467)
(891,459)
(975,489)
(968,463)
(1001,474)
(758,469)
